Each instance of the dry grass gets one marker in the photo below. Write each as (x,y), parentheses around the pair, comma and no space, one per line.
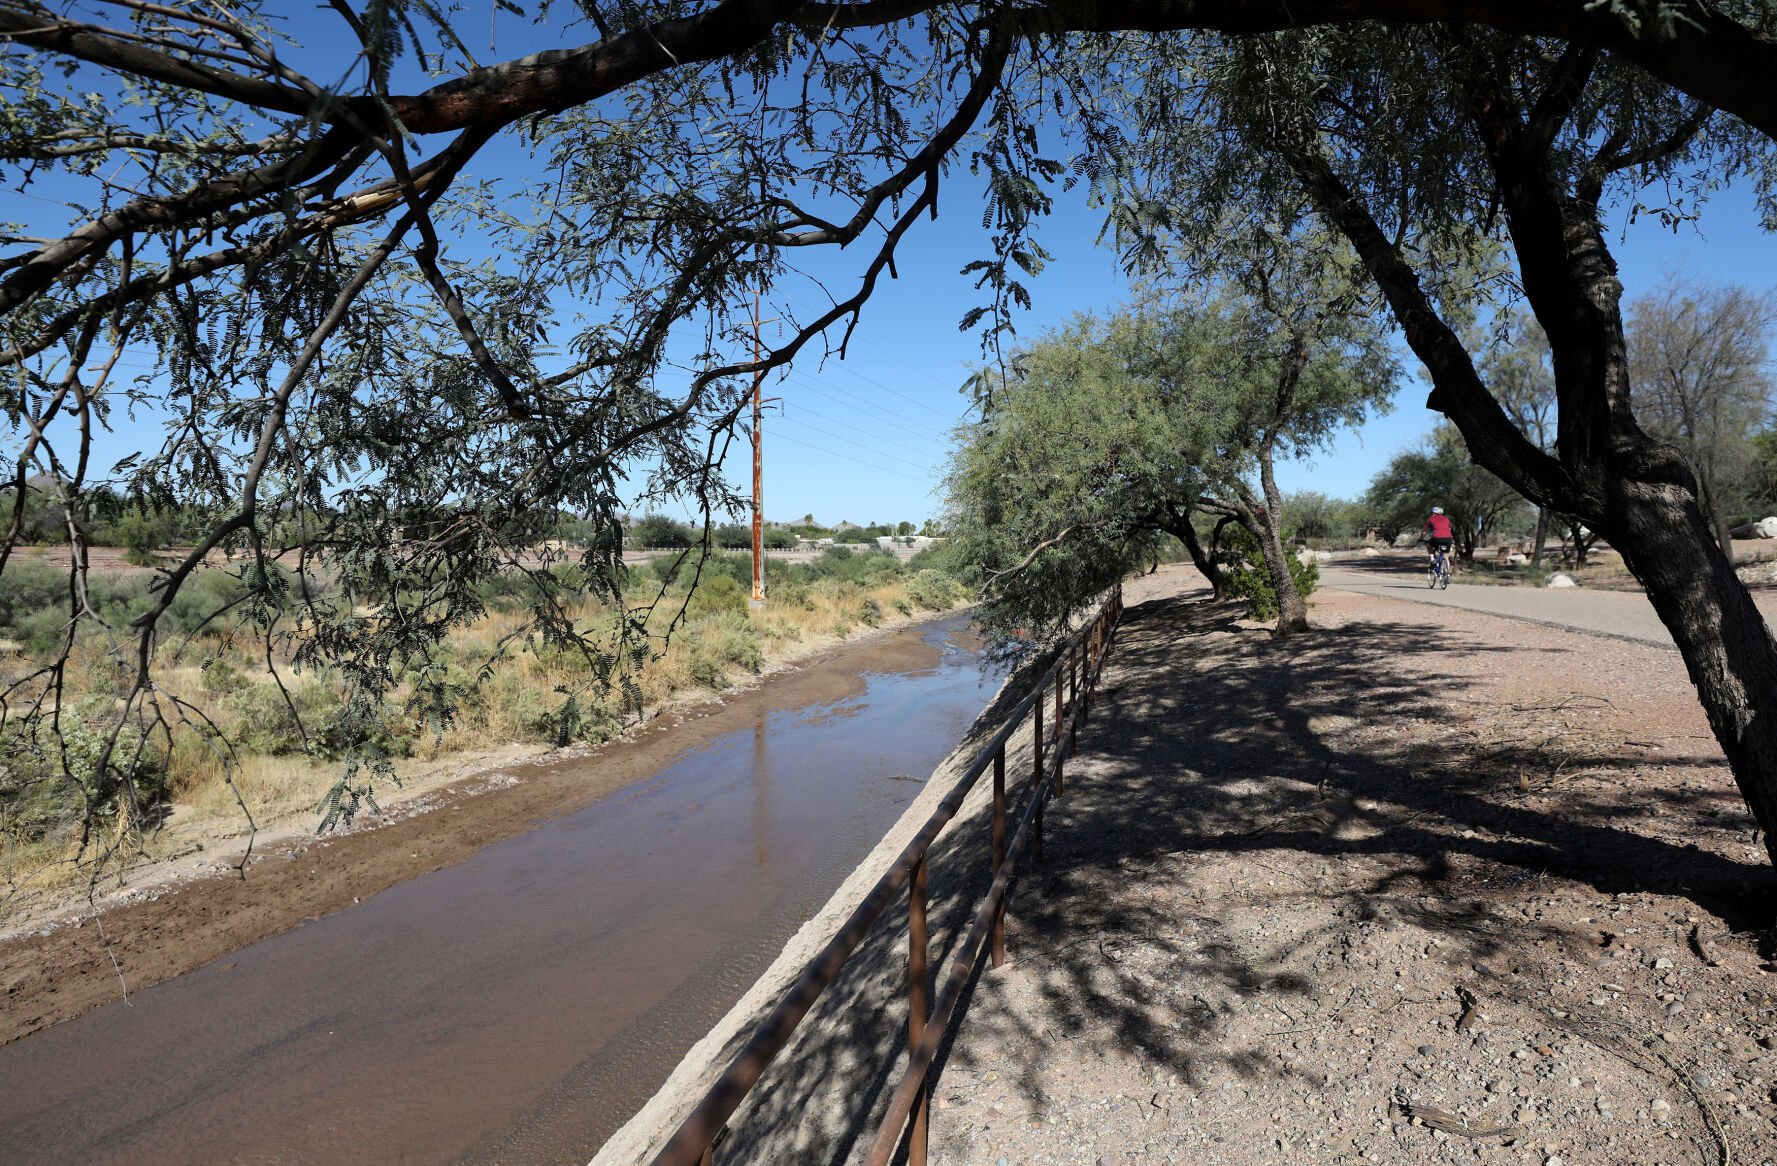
(518,704)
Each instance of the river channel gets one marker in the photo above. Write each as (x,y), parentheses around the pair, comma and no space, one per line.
(519,1006)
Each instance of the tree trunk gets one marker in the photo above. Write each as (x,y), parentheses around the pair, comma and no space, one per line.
(1605,470)
(1542,535)
(1292,612)
(1724,534)
(1727,646)
(1204,562)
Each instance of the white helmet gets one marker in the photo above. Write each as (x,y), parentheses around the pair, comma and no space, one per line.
(1437,510)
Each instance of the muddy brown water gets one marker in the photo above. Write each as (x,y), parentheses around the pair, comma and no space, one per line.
(519,1006)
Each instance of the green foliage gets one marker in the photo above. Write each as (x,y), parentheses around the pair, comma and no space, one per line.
(1249,577)
(657,530)
(719,595)
(314,718)
(1441,473)
(934,590)
(720,644)
(49,782)
(1106,436)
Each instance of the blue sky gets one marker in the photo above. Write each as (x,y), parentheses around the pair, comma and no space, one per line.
(865,439)
(897,390)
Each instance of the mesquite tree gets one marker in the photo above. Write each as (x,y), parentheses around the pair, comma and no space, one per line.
(399,303)
(1103,434)
(1699,363)
(1483,140)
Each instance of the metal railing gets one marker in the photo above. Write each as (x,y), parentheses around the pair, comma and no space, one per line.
(1071,679)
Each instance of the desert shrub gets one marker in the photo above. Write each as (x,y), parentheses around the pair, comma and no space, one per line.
(933,590)
(903,606)
(577,718)
(27,587)
(1250,579)
(868,567)
(714,646)
(47,786)
(515,590)
(791,595)
(720,594)
(870,612)
(263,722)
(657,530)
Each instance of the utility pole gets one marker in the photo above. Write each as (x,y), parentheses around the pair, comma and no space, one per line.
(758,467)
(758,471)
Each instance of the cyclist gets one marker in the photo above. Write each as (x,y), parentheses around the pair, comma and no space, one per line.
(1438,538)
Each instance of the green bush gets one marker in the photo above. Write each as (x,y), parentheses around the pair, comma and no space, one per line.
(27,587)
(719,595)
(718,644)
(1250,579)
(263,722)
(46,786)
(933,590)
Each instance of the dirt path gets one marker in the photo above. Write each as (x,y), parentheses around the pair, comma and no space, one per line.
(176,920)
(1403,890)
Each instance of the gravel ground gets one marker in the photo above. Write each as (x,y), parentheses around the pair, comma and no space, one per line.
(1412,888)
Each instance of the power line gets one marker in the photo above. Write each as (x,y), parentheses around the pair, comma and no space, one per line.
(855,460)
(880,412)
(859,428)
(895,356)
(896,392)
(843,437)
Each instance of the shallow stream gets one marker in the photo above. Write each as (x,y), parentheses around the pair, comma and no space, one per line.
(519,1006)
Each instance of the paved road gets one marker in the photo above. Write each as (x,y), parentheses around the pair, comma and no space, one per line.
(1620,614)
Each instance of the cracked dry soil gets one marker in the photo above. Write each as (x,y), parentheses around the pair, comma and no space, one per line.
(1396,891)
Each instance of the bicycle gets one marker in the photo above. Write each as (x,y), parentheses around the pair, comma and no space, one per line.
(1437,569)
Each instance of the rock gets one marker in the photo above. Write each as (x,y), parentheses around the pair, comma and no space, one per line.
(1371,552)
(1662,964)
(1763,528)
(1517,559)
(1659,1105)
(1427,1051)
(1562,579)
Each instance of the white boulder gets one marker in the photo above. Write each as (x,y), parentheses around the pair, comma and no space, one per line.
(1371,552)
(1763,528)
(1517,559)
(1562,579)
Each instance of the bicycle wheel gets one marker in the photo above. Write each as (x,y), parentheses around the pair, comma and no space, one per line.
(1444,579)
(1431,575)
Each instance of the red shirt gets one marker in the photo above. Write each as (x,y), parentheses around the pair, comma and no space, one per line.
(1439,526)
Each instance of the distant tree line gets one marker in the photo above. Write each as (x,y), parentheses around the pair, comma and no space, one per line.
(659,530)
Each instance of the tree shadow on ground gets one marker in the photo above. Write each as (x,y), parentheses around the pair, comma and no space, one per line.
(1127,927)
(1192,772)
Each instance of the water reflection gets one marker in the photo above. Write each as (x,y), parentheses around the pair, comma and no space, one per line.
(518,1006)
